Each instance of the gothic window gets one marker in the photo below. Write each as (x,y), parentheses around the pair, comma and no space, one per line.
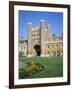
(52,52)
(24,48)
(48,46)
(52,45)
(48,52)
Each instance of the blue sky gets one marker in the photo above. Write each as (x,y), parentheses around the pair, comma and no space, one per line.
(53,18)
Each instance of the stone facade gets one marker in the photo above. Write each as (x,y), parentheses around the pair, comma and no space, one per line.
(40,42)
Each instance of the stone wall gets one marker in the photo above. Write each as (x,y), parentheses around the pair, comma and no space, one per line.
(41,36)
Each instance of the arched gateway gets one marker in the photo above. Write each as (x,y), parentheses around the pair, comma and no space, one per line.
(37,50)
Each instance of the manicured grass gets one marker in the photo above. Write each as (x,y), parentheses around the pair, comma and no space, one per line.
(53,66)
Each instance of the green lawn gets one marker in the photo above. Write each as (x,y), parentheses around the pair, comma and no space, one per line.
(53,66)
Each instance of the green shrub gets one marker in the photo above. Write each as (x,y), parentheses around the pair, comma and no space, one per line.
(32,67)
(23,73)
(39,67)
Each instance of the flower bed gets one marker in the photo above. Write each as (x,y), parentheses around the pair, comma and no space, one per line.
(32,67)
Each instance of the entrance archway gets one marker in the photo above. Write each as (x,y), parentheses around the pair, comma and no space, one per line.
(37,49)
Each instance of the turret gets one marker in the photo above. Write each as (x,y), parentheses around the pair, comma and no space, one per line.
(29,27)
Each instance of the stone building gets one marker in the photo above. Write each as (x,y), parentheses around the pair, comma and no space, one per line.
(40,42)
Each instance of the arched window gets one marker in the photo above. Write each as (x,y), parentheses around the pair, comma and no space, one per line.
(48,46)
(52,45)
